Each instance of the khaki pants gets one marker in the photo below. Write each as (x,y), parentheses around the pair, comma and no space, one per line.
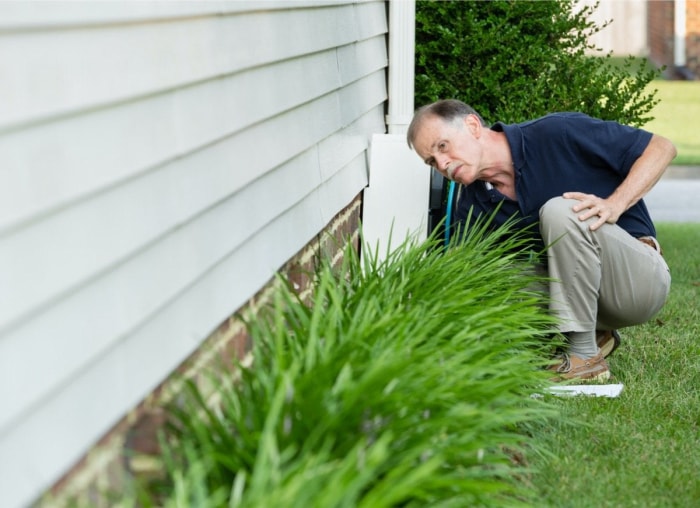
(601,280)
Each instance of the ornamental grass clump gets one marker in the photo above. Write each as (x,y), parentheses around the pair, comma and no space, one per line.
(407,382)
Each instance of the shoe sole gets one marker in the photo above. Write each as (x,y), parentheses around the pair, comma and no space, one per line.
(607,348)
(586,375)
(603,376)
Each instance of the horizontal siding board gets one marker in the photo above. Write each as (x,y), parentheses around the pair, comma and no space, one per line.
(50,74)
(340,148)
(371,19)
(20,16)
(342,187)
(33,15)
(362,95)
(358,59)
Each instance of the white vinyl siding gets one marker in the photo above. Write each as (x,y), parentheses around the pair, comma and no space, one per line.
(158,162)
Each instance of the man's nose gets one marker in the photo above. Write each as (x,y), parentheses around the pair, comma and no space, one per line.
(442,162)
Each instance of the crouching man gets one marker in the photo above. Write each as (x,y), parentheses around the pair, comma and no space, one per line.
(582,181)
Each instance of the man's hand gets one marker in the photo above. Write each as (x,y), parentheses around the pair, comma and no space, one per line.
(592,206)
(642,176)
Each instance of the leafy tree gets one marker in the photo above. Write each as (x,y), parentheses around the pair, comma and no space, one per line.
(515,60)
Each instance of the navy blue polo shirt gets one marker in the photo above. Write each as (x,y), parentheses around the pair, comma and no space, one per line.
(557,153)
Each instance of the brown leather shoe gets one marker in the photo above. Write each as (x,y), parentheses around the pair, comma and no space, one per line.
(573,367)
(608,341)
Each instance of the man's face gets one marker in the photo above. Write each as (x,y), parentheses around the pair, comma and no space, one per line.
(452,148)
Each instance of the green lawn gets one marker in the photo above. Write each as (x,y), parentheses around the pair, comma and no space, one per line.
(677,117)
(642,449)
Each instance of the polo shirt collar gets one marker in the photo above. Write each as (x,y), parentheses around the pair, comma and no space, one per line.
(515,138)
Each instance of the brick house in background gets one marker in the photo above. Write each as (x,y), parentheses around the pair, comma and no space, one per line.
(674,37)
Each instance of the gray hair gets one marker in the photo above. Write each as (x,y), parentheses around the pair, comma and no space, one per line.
(448,110)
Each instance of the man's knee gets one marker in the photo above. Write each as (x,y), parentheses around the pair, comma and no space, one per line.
(557,214)
(556,208)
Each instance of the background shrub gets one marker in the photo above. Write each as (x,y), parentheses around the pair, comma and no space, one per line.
(516,60)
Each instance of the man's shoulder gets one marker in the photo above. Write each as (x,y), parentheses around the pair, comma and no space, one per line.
(555,122)
(558,118)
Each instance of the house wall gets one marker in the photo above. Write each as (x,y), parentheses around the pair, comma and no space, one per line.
(693,36)
(660,27)
(627,32)
(159,162)
(662,36)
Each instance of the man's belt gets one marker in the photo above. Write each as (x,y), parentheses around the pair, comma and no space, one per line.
(651,242)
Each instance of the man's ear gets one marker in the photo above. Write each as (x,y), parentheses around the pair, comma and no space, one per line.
(473,123)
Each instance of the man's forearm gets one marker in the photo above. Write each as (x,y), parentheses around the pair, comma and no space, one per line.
(645,172)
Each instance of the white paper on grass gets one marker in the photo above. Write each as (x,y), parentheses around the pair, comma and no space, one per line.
(595,390)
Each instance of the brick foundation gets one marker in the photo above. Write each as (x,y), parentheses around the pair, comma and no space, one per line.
(131,448)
